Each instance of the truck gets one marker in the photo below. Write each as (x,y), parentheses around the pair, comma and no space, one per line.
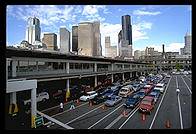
(43,96)
(126,91)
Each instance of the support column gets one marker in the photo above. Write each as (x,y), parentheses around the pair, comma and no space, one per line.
(67,67)
(13,68)
(67,92)
(95,68)
(96,80)
(112,73)
(13,103)
(33,107)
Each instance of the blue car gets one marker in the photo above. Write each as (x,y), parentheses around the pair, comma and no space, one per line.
(132,101)
(110,93)
(136,87)
(113,100)
(141,93)
(155,95)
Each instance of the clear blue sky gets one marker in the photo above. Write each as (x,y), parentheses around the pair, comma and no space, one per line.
(152,25)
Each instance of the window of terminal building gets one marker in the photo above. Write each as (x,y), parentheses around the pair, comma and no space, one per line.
(32,66)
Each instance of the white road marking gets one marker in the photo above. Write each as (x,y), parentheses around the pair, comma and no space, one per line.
(105,117)
(159,105)
(129,118)
(83,115)
(179,106)
(113,122)
(176,82)
(69,110)
(187,85)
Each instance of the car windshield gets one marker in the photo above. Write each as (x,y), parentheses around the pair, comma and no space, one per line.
(131,99)
(140,93)
(158,86)
(146,102)
(123,90)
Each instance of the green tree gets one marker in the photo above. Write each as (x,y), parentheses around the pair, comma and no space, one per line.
(177,66)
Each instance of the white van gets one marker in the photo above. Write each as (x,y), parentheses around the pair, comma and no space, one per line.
(126,91)
(43,96)
(160,86)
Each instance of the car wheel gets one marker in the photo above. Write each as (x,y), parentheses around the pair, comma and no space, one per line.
(44,100)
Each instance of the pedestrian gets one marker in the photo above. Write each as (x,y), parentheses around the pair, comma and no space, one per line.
(72,105)
(177,90)
(61,107)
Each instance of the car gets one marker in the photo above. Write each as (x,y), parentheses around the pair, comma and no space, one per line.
(110,93)
(147,104)
(89,95)
(58,94)
(136,87)
(132,101)
(98,99)
(126,91)
(141,93)
(160,86)
(168,76)
(155,95)
(43,96)
(113,100)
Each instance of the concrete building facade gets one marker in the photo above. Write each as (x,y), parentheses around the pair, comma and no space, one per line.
(89,39)
(110,51)
(64,40)
(75,38)
(33,30)
(187,50)
(50,40)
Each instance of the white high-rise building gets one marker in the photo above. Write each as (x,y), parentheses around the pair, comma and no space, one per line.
(33,30)
(64,40)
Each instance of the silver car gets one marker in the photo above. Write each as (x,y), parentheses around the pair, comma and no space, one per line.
(113,100)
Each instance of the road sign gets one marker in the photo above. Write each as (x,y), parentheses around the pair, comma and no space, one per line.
(39,121)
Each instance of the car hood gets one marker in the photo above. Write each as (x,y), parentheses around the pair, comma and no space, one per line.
(109,102)
(145,106)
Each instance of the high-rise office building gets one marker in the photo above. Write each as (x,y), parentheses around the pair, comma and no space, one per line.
(127,29)
(33,30)
(125,37)
(64,40)
(50,40)
(110,51)
(187,50)
(75,38)
(89,39)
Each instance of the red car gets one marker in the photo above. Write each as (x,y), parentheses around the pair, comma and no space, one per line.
(147,104)
(147,89)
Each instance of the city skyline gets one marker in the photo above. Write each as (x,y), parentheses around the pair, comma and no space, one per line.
(152,25)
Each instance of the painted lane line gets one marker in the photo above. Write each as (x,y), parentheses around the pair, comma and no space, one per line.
(128,118)
(176,82)
(83,115)
(159,105)
(179,106)
(187,85)
(69,110)
(188,78)
(104,117)
(113,122)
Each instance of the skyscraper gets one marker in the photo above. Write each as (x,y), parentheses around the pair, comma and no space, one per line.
(50,40)
(64,40)
(89,39)
(110,51)
(125,37)
(75,38)
(33,30)
(127,29)
(188,43)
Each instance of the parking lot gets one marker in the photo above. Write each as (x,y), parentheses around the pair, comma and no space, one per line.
(171,111)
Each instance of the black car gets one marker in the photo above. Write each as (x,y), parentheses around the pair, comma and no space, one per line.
(98,99)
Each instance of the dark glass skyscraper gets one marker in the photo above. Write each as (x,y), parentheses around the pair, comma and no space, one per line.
(127,28)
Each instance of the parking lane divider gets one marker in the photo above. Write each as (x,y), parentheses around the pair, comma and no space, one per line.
(186,85)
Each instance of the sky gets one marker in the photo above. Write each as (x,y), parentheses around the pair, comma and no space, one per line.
(152,25)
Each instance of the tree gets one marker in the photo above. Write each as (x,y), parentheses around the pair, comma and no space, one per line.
(177,66)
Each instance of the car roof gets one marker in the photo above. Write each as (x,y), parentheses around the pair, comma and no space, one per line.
(160,84)
(148,98)
(90,92)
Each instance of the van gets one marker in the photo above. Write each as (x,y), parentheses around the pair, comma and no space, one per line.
(126,91)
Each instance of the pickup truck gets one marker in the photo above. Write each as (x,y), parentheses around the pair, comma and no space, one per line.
(147,104)
(126,91)
(43,96)
(58,94)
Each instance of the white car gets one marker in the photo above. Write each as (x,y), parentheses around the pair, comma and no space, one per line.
(89,95)
(160,86)
(168,76)
(43,96)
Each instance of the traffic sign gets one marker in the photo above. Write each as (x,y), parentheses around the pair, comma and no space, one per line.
(39,121)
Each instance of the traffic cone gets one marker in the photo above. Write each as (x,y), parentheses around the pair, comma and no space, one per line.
(90,104)
(143,117)
(66,100)
(168,124)
(77,101)
(124,113)
(103,107)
